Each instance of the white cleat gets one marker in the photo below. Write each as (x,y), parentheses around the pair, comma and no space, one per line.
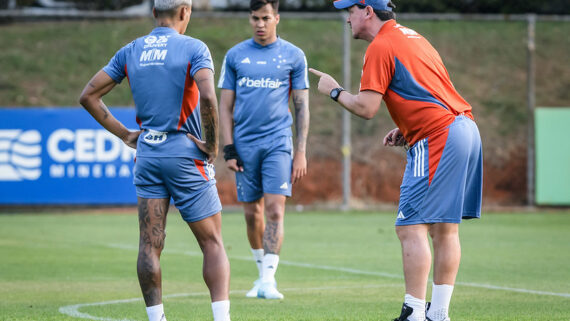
(253,292)
(268,290)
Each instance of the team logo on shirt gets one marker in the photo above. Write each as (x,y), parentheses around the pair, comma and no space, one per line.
(154,137)
(154,42)
(259,83)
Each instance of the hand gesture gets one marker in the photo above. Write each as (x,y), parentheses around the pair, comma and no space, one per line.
(326,82)
(394,138)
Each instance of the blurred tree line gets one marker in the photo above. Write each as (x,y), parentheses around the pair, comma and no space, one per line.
(428,6)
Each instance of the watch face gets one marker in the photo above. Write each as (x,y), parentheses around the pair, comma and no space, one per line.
(335,93)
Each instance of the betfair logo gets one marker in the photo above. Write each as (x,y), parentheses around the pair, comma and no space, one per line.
(20,155)
(259,83)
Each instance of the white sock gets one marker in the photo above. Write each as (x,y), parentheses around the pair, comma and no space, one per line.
(258,257)
(156,313)
(221,310)
(440,298)
(419,307)
(270,262)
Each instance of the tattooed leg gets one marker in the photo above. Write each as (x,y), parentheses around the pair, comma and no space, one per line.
(274,212)
(152,220)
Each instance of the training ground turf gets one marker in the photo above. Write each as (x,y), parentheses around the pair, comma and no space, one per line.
(334,266)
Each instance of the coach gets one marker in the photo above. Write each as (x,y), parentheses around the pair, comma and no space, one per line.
(443,178)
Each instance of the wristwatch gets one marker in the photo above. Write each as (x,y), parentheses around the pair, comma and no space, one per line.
(335,93)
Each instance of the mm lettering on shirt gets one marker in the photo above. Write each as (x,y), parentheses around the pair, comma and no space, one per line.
(262,78)
(160,68)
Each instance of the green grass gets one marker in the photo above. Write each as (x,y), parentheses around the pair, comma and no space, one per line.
(52,260)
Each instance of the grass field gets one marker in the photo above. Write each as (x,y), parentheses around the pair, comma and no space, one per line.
(334,266)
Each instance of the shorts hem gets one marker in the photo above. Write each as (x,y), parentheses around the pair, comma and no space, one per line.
(143,195)
(249,199)
(278,192)
(416,222)
(205,216)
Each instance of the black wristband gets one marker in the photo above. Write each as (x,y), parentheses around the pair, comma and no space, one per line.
(230,152)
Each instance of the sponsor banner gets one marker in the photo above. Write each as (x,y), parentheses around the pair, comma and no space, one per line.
(63,156)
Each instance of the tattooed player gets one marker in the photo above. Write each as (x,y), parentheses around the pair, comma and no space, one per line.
(172,81)
(258,77)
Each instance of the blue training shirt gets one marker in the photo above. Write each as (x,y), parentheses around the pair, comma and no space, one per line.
(160,68)
(262,78)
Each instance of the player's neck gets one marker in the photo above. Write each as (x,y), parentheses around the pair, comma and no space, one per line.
(167,23)
(265,42)
(373,29)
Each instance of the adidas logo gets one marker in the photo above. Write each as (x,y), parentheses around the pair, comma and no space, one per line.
(284,186)
(246,61)
(401,215)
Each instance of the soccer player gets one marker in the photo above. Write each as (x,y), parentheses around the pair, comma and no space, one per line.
(172,82)
(258,76)
(443,178)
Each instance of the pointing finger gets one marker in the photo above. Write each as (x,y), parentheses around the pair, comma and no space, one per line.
(316,72)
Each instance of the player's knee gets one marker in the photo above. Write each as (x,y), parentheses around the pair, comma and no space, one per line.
(442,231)
(253,217)
(405,233)
(274,212)
(211,242)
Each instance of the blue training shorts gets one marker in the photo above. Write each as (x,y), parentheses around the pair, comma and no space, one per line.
(443,181)
(266,169)
(190,183)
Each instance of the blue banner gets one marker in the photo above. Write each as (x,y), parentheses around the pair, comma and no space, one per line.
(63,156)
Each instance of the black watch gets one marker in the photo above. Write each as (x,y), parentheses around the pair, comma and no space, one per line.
(335,93)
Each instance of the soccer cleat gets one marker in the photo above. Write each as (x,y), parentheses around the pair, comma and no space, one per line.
(406,312)
(268,290)
(253,292)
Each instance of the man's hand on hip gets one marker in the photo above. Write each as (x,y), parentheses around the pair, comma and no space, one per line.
(203,146)
(132,138)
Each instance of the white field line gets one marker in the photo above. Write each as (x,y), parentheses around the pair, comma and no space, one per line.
(359,272)
(73,310)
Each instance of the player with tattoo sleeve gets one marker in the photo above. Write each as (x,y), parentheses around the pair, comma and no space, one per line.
(172,82)
(258,77)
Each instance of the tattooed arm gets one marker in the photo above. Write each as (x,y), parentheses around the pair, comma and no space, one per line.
(91,100)
(204,79)
(301,103)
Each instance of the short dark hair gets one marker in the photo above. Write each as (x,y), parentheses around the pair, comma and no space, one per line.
(257,4)
(383,15)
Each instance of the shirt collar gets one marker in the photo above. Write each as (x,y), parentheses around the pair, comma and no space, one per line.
(269,46)
(163,31)
(387,26)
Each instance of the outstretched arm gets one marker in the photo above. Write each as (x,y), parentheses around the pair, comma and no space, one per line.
(91,100)
(365,104)
(301,103)
(204,79)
